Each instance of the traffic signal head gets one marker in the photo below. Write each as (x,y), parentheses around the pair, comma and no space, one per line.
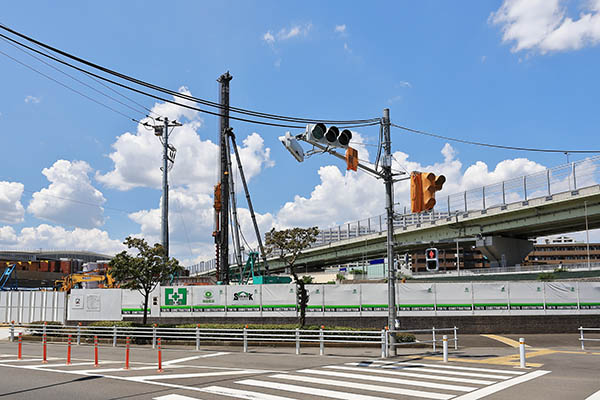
(431,259)
(316,133)
(293,146)
(416,192)
(430,184)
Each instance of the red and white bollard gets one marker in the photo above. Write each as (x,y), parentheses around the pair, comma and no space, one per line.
(159,357)
(20,351)
(44,354)
(69,350)
(126,353)
(95,351)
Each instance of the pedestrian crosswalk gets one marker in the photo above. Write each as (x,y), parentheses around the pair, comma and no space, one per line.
(369,380)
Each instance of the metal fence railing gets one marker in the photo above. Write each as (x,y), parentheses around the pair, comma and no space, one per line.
(200,337)
(564,178)
(584,339)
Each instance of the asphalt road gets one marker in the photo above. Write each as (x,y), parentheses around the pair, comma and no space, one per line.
(557,369)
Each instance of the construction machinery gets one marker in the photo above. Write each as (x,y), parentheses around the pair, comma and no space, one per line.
(105,280)
(6,277)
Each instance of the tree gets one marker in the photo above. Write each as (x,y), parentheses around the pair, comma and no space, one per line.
(144,271)
(288,244)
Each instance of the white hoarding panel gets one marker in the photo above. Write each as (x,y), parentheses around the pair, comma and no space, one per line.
(279,300)
(561,295)
(133,303)
(490,297)
(94,304)
(453,296)
(526,296)
(243,299)
(374,299)
(175,300)
(342,300)
(589,296)
(315,300)
(209,300)
(415,297)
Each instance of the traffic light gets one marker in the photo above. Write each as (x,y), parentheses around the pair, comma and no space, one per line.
(431,259)
(292,145)
(332,137)
(423,186)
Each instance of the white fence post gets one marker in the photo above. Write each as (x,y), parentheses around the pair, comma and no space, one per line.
(582,340)
(12,331)
(522,353)
(297,341)
(321,342)
(455,339)
(78,333)
(154,336)
(383,343)
(245,339)
(197,337)
(433,337)
(114,335)
(445,347)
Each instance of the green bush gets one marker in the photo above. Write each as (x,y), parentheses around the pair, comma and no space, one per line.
(357,271)
(546,276)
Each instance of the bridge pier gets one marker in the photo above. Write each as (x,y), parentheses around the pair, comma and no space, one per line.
(504,251)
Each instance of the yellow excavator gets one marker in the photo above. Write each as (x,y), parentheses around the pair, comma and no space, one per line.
(71,281)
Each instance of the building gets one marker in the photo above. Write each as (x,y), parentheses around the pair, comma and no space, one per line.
(563,250)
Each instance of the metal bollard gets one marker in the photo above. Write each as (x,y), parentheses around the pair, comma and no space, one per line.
(297,341)
(12,331)
(154,336)
(197,337)
(246,339)
(126,353)
(581,332)
(522,353)
(321,341)
(159,357)
(44,353)
(383,343)
(20,351)
(433,335)
(78,333)
(95,351)
(455,339)
(114,336)
(445,347)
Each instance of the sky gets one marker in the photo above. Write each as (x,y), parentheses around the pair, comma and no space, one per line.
(78,173)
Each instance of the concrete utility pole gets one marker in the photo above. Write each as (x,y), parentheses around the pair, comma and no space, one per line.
(222,237)
(388,178)
(162,131)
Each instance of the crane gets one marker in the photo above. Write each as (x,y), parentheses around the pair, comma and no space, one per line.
(70,281)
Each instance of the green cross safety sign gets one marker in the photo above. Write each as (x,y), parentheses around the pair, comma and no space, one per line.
(175,298)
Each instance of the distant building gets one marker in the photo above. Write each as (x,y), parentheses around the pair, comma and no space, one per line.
(563,250)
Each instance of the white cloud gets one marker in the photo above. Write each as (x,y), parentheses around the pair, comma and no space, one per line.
(32,99)
(284,34)
(269,38)
(55,237)
(341,29)
(543,25)
(11,209)
(347,48)
(70,198)
(137,157)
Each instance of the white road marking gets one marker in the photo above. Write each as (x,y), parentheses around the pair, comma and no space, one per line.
(241,394)
(381,371)
(192,375)
(102,370)
(174,397)
(364,386)
(449,372)
(594,396)
(180,360)
(501,371)
(409,382)
(486,391)
(73,364)
(310,391)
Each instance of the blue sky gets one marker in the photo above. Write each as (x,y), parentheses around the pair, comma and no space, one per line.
(512,72)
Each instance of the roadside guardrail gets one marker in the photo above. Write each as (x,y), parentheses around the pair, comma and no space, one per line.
(583,339)
(246,337)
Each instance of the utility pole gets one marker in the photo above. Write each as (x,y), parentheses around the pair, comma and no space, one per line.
(162,131)
(388,179)
(222,237)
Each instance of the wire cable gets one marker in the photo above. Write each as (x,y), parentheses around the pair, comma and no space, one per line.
(70,88)
(187,97)
(496,146)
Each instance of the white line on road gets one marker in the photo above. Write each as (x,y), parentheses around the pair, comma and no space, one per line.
(180,360)
(449,372)
(594,396)
(174,397)
(192,375)
(501,371)
(310,391)
(364,386)
(397,381)
(486,391)
(241,394)
(381,371)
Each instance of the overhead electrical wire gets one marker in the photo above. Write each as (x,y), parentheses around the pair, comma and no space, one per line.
(180,95)
(496,146)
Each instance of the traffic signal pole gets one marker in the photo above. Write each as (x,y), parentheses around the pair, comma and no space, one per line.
(389,207)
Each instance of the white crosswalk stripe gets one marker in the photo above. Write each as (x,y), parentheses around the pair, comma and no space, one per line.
(376,381)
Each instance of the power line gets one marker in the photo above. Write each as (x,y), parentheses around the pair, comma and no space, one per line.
(70,88)
(496,146)
(180,95)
